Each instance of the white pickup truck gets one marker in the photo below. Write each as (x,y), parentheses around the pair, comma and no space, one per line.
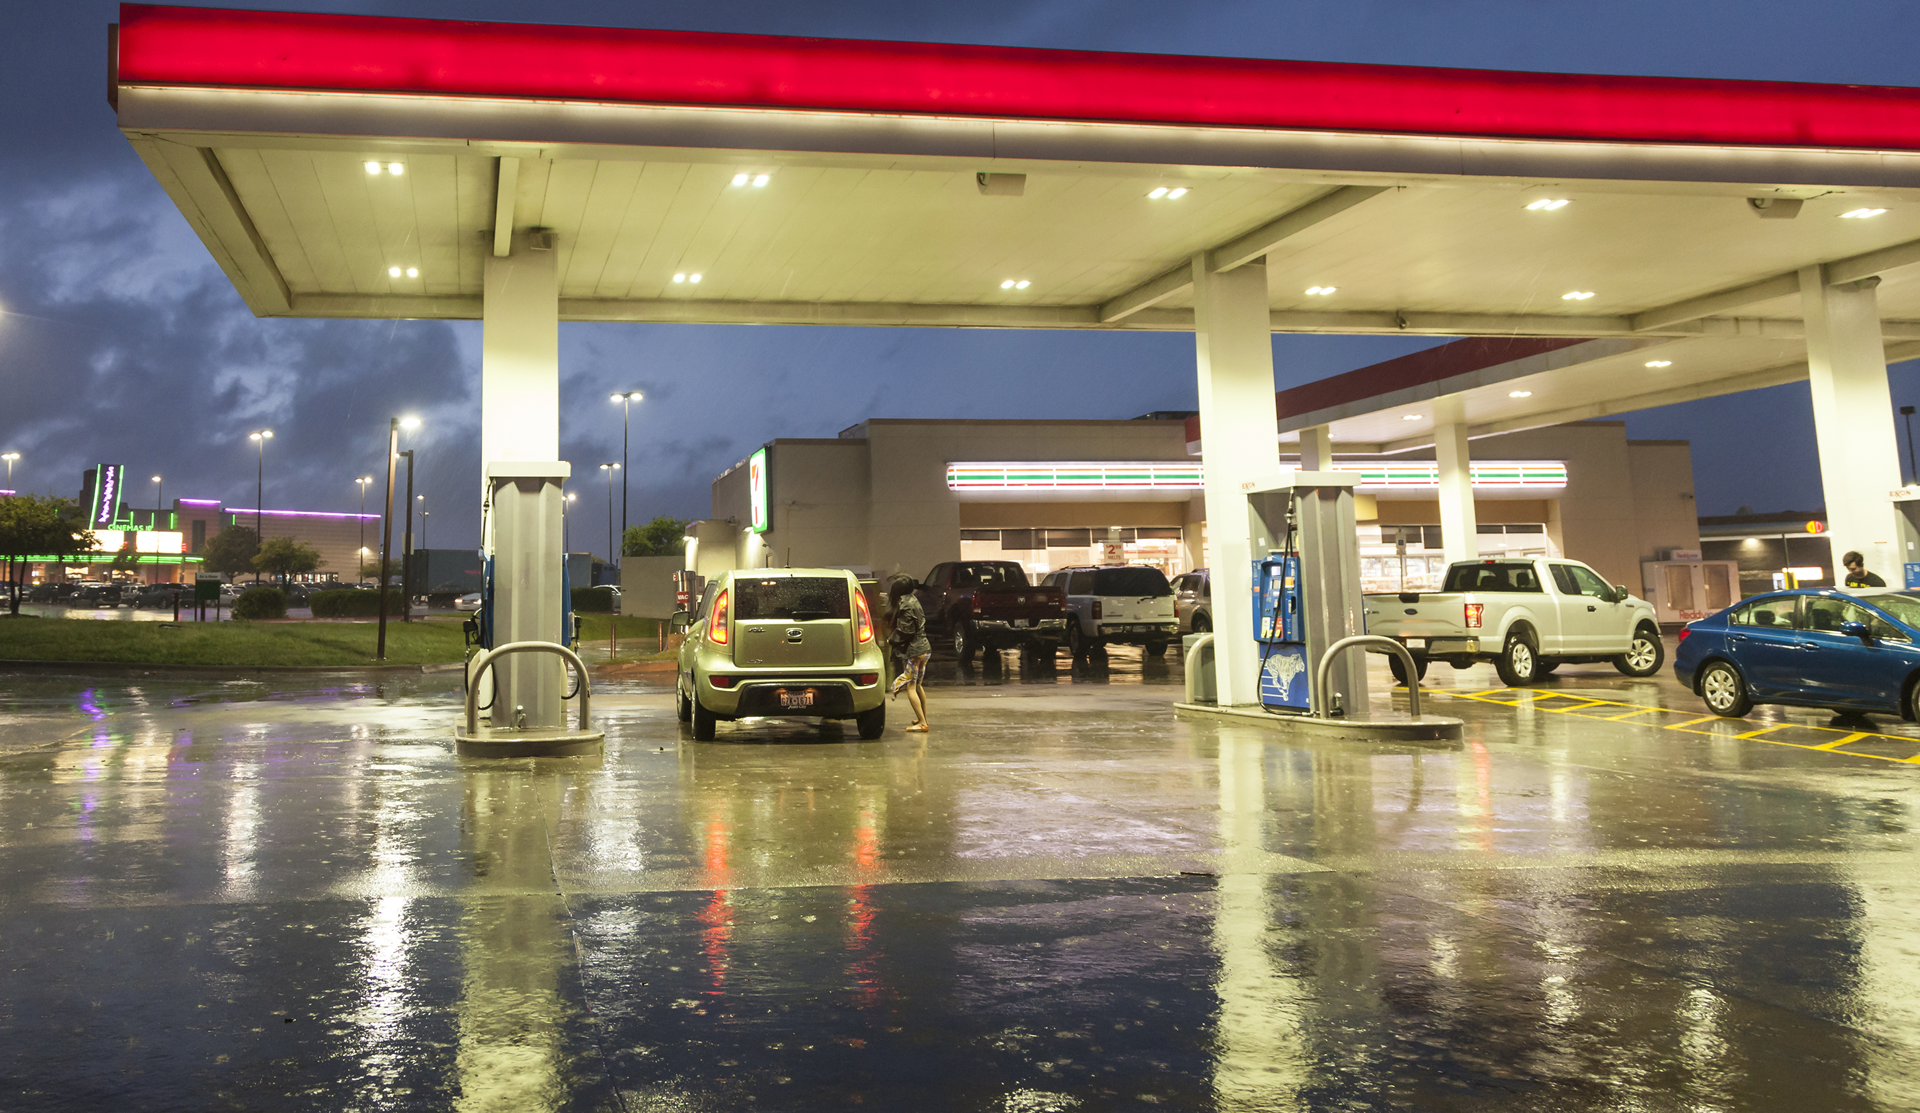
(1527,616)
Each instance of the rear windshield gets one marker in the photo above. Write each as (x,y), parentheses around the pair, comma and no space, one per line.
(999,573)
(1492,577)
(796,598)
(1131,581)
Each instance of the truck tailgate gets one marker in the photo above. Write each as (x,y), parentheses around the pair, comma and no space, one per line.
(1429,616)
(1013,604)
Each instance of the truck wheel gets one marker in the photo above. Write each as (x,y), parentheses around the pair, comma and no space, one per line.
(1076,642)
(1645,653)
(704,722)
(1546,668)
(963,643)
(1724,691)
(873,723)
(1156,649)
(1518,663)
(1202,624)
(1038,656)
(682,706)
(1399,668)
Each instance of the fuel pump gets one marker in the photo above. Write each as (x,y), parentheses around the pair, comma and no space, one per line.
(1306,590)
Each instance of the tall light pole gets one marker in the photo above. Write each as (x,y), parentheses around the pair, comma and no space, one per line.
(626,402)
(159,501)
(9,457)
(259,492)
(610,469)
(363,524)
(422,500)
(406,559)
(1905,411)
(394,425)
(566,521)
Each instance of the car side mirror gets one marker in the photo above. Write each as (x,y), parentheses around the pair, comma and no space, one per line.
(1857,630)
(1619,592)
(680,620)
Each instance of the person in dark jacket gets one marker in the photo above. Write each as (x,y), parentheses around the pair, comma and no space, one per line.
(909,621)
(1857,574)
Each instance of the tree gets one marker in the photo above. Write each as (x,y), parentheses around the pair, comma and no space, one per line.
(38,526)
(283,556)
(663,536)
(231,551)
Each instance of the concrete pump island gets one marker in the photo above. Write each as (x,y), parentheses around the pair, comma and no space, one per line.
(1381,742)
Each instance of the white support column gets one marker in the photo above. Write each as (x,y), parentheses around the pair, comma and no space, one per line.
(1233,346)
(1459,527)
(1316,448)
(520,357)
(1853,421)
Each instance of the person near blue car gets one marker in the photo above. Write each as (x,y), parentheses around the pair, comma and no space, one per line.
(1857,574)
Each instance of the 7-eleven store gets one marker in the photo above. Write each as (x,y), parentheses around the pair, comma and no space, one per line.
(904,495)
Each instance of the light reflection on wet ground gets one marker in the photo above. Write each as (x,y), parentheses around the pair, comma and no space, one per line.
(290,894)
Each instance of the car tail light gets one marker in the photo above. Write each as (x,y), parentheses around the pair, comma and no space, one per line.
(1684,631)
(1096,609)
(869,678)
(717,625)
(863,625)
(1474,611)
(721,681)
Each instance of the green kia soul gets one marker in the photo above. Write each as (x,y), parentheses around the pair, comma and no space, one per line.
(795,642)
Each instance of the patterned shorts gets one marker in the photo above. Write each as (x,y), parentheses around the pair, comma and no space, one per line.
(916,668)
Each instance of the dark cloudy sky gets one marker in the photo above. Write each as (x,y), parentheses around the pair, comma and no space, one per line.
(121,341)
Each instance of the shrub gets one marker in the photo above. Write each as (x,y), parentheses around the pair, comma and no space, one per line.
(349,603)
(593,600)
(259,602)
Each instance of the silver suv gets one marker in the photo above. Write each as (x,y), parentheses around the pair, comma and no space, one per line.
(1131,605)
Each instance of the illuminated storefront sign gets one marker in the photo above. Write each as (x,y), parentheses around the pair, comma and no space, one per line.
(163,542)
(104,504)
(1369,478)
(757,489)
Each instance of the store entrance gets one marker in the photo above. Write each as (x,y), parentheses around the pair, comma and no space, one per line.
(1040,551)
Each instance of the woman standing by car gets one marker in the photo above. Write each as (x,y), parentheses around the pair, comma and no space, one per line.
(909,622)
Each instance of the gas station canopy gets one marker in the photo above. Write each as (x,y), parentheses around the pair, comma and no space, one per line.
(840,182)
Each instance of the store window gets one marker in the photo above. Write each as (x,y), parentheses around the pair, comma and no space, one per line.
(1040,551)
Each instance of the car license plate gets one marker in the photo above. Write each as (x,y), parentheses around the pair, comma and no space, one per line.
(1020,622)
(791,700)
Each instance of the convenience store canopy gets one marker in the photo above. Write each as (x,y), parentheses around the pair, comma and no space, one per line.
(348,166)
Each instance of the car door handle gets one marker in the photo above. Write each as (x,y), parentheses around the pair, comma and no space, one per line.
(1590,610)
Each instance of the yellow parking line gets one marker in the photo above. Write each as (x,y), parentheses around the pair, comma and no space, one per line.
(1535,699)
(1854,737)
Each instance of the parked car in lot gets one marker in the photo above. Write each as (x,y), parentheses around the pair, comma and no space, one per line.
(1527,616)
(1193,602)
(161,596)
(989,605)
(1129,604)
(792,642)
(1832,648)
(468,602)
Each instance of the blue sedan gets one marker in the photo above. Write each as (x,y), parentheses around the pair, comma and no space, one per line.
(1846,650)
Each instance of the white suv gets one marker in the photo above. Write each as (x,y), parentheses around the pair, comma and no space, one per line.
(1131,605)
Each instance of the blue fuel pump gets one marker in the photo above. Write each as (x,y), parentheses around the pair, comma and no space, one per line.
(1279,625)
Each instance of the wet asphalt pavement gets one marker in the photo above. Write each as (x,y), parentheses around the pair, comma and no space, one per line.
(290,894)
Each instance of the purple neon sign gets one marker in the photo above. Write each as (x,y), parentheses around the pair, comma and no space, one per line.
(106,494)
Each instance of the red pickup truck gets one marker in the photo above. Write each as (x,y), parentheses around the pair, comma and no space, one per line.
(988,604)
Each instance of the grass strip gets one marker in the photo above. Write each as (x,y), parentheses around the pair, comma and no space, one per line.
(227,644)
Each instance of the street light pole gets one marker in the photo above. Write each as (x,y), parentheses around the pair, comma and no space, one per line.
(1905,411)
(422,500)
(566,521)
(159,500)
(260,439)
(626,401)
(610,469)
(406,559)
(386,522)
(9,457)
(362,554)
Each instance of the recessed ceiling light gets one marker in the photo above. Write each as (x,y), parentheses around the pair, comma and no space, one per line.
(396,168)
(1177,193)
(1519,393)
(1320,291)
(1158,193)
(1861,214)
(1547,205)
(393,272)
(1409,417)
(1659,363)
(373,168)
(1576,295)
(413,272)
(1015,284)
(694,278)
(679,278)
(740,179)
(761,180)
(1022,284)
